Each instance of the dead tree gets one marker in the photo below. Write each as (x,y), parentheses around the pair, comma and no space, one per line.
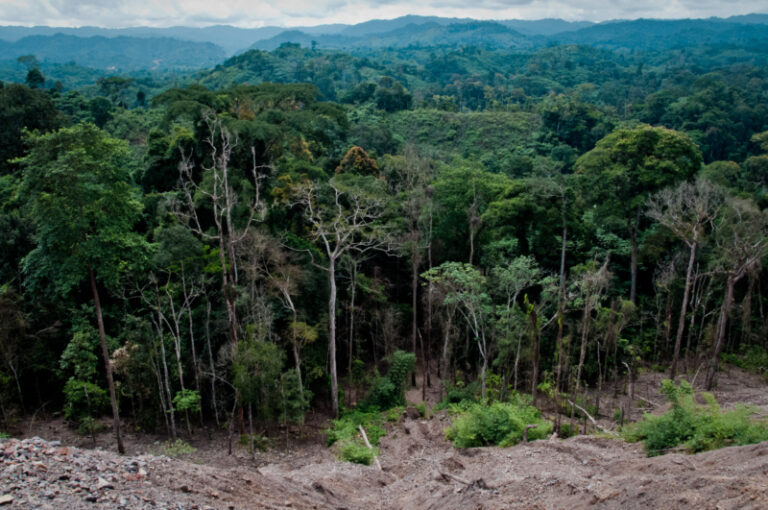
(344,216)
(218,190)
(740,238)
(686,211)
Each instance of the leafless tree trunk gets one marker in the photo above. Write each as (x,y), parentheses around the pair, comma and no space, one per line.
(686,211)
(594,284)
(346,224)
(107,364)
(741,240)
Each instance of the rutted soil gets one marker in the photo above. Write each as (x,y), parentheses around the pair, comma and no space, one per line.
(421,470)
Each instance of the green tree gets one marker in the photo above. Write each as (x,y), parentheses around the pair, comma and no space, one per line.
(466,286)
(628,165)
(78,193)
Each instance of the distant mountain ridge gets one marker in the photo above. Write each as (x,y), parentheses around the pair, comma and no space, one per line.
(234,39)
(146,48)
(123,54)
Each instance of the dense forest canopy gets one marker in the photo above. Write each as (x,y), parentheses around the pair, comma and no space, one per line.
(531,212)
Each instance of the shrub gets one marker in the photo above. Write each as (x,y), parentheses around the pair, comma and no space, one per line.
(261,443)
(421,407)
(387,392)
(393,414)
(754,359)
(352,451)
(500,423)
(567,430)
(89,426)
(458,393)
(187,400)
(695,427)
(173,448)
(346,427)
(83,400)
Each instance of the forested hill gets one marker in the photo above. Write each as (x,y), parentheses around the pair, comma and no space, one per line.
(121,54)
(271,234)
(174,47)
(635,34)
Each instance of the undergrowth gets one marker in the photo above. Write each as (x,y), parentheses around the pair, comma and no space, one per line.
(754,359)
(384,402)
(498,423)
(173,448)
(695,427)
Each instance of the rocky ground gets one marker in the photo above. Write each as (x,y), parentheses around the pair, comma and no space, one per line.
(420,470)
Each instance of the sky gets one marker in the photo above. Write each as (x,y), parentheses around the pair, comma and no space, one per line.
(287,13)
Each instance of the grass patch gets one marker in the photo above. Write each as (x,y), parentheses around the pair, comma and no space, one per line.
(695,427)
(173,448)
(499,423)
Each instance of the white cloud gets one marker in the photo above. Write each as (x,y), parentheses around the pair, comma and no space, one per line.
(254,13)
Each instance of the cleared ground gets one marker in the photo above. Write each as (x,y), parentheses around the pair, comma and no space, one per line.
(421,470)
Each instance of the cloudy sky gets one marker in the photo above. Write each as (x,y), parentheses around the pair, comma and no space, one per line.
(257,13)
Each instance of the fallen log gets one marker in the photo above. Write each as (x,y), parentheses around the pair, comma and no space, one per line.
(365,438)
(594,422)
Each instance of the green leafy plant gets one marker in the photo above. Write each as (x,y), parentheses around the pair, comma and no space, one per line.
(89,426)
(260,442)
(753,359)
(175,448)
(388,391)
(499,423)
(187,400)
(83,400)
(695,427)
(346,427)
(358,453)
(567,430)
(458,393)
(393,414)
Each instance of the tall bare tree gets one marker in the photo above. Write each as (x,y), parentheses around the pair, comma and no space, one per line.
(740,238)
(345,215)
(217,188)
(686,211)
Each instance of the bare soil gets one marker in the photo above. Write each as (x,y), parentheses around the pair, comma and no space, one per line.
(421,470)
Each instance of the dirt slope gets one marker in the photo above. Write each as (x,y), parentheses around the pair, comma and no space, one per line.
(421,470)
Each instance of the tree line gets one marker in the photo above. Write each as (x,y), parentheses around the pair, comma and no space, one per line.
(221,256)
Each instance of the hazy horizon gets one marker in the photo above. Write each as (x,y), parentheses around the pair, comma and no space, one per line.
(303,13)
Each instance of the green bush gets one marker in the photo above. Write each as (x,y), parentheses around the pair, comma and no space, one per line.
(173,448)
(352,451)
(83,400)
(695,427)
(421,407)
(458,393)
(89,426)
(500,423)
(187,400)
(261,443)
(346,427)
(388,391)
(393,414)
(567,430)
(753,359)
